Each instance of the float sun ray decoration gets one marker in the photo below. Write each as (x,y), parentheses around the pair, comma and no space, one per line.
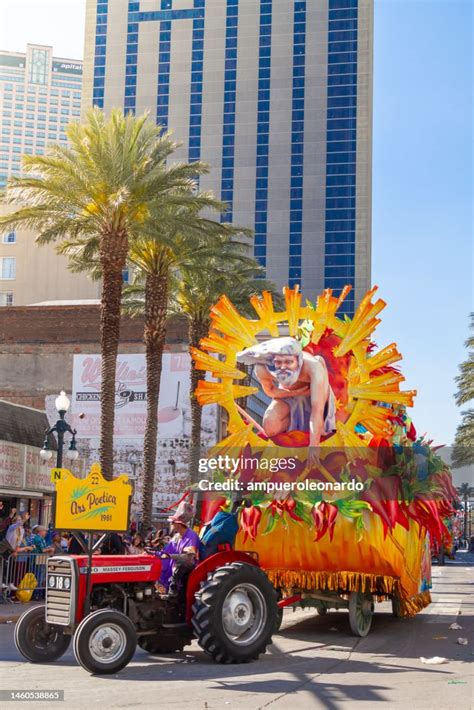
(373,380)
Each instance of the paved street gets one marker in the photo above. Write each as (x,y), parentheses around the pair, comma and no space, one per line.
(314,662)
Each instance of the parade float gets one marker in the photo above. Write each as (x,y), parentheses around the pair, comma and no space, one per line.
(366,536)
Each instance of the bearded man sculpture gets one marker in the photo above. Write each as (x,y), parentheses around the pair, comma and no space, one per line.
(298,385)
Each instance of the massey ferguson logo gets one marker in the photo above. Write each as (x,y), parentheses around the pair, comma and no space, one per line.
(118,568)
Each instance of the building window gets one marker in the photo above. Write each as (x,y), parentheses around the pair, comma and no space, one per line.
(6,298)
(38,66)
(7,268)
(9,237)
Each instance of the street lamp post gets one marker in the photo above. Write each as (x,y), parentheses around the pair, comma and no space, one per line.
(60,429)
(133,460)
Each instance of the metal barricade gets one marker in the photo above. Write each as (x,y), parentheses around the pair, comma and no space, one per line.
(24,572)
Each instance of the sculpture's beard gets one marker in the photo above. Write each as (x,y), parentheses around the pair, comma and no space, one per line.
(287,377)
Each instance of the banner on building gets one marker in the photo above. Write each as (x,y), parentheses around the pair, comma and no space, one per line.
(130,395)
(12,465)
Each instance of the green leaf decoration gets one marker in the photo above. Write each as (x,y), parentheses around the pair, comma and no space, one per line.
(79,492)
(271,524)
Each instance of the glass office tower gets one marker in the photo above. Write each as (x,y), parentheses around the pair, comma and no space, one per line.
(277,96)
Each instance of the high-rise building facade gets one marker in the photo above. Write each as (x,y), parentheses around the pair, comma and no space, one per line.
(277,96)
(39,95)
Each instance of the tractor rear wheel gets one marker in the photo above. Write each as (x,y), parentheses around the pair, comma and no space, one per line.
(162,644)
(105,642)
(235,613)
(38,641)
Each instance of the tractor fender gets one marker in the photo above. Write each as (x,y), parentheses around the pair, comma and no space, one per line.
(200,572)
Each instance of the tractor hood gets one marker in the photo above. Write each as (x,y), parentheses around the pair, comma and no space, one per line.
(120,568)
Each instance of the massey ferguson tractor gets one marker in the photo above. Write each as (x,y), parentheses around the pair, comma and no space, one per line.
(228,604)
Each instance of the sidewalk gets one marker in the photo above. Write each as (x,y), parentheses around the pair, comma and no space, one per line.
(10,612)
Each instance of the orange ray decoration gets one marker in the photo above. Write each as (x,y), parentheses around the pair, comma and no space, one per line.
(376,541)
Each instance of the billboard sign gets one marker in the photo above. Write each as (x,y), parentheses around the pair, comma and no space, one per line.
(130,395)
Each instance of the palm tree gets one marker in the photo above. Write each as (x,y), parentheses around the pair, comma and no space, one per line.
(201,285)
(465,380)
(463,453)
(100,191)
(466,492)
(173,243)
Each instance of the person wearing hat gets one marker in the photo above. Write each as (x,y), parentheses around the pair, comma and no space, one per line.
(37,539)
(181,552)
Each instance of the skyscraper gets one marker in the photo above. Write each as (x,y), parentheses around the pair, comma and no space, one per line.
(39,95)
(277,96)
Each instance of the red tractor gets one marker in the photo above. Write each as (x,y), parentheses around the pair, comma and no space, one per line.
(228,604)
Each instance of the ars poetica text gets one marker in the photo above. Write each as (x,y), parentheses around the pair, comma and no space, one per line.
(92,500)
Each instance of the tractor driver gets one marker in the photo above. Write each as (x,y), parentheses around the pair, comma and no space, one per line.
(182,549)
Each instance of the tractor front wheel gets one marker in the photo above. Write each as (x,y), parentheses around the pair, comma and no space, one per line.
(38,641)
(105,642)
(235,613)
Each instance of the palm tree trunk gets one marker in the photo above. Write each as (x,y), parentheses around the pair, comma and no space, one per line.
(197,330)
(113,258)
(156,303)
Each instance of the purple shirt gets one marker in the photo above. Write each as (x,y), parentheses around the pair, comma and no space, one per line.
(189,539)
(177,545)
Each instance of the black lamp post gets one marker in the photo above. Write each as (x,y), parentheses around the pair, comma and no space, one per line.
(60,428)
(133,460)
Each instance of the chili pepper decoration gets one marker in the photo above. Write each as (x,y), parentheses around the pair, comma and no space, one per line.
(249,521)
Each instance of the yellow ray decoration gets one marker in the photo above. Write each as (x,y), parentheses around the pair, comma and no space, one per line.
(387,356)
(363,324)
(293,307)
(227,320)
(231,332)
(203,361)
(219,392)
(263,305)
(325,314)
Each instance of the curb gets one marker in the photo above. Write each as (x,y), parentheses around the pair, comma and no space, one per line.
(16,612)
(10,619)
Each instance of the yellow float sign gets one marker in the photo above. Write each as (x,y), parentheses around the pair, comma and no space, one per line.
(92,503)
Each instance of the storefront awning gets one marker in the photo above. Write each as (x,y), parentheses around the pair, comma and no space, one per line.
(13,493)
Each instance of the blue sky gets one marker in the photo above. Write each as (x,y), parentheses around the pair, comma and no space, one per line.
(422,178)
(422,192)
